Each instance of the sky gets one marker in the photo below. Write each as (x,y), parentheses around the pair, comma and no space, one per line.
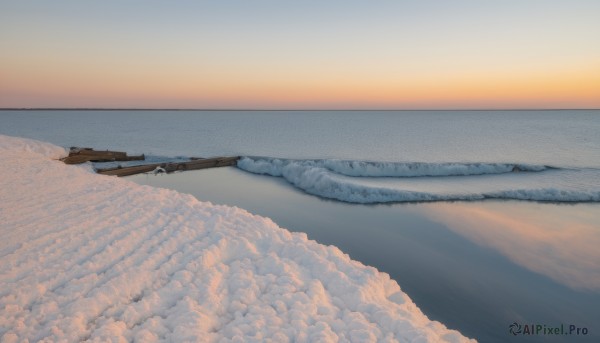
(277,54)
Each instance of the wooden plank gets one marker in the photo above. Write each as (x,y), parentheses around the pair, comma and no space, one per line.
(174,166)
(99,153)
(126,171)
(202,164)
(81,155)
(75,159)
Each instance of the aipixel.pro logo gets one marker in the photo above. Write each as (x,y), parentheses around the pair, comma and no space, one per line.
(517,329)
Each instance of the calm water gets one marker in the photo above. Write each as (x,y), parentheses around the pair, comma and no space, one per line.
(476,266)
(560,138)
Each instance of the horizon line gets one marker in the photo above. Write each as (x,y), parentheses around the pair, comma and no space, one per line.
(281,109)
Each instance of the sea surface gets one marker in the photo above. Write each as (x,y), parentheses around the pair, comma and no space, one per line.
(485,218)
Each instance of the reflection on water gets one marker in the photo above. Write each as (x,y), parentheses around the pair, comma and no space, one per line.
(559,241)
(477,267)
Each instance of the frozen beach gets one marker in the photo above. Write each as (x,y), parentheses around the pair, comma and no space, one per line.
(476,266)
(300,171)
(93,257)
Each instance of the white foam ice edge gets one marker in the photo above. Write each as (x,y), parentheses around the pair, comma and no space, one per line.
(318,177)
(276,166)
(92,257)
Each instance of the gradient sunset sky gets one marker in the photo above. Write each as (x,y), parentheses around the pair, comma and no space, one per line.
(275,54)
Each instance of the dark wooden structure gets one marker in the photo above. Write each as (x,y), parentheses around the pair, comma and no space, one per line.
(194,164)
(82,155)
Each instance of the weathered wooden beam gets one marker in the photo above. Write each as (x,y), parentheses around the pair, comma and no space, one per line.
(172,166)
(202,163)
(126,171)
(82,155)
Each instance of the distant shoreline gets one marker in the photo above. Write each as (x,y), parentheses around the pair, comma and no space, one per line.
(289,110)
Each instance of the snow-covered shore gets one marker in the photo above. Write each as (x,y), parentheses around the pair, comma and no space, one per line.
(86,256)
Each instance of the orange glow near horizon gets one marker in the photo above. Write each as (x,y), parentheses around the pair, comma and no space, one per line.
(561,89)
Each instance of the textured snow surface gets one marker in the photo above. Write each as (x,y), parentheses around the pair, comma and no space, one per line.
(91,257)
